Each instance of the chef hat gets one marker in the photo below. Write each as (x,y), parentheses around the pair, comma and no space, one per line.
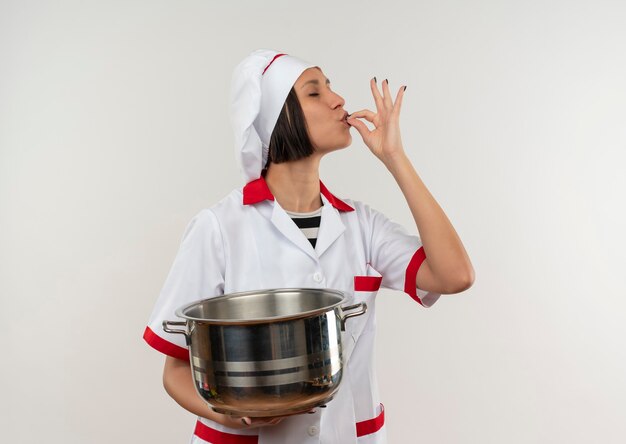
(260,85)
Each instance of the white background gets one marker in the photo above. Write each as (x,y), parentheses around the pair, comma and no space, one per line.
(114,133)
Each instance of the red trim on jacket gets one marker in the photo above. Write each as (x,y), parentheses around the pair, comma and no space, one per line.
(257,191)
(410,281)
(367,283)
(371,425)
(165,347)
(209,434)
(335,201)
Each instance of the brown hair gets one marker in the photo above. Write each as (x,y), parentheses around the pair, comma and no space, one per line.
(290,138)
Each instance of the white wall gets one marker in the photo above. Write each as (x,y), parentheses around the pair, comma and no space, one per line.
(114,132)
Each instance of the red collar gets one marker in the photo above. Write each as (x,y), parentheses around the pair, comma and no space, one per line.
(258,191)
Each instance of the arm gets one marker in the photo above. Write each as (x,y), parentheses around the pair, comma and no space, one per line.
(447,268)
(179,384)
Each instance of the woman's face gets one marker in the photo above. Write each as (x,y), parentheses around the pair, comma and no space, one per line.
(323,111)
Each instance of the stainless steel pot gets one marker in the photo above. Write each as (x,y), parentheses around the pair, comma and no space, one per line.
(266,353)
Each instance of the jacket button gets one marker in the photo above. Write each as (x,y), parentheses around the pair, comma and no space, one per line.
(317,277)
(312,431)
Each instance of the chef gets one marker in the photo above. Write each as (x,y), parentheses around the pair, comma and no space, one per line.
(286,117)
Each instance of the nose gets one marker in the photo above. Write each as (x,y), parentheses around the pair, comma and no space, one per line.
(337,101)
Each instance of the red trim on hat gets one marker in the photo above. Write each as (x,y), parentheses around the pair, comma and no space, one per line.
(165,347)
(410,281)
(209,434)
(275,57)
(257,191)
(371,425)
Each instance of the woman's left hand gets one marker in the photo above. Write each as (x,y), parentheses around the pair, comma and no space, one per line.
(384,140)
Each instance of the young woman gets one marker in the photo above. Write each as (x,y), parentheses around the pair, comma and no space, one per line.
(285,229)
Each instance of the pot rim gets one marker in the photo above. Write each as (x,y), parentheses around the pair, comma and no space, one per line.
(305,314)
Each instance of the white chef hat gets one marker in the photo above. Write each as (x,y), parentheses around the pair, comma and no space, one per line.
(260,84)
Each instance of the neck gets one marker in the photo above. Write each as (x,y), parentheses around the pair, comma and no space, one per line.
(296,184)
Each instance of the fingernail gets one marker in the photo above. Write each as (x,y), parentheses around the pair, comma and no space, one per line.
(247,421)
(387,81)
(405,88)
(375,80)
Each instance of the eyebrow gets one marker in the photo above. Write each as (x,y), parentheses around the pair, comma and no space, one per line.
(315,81)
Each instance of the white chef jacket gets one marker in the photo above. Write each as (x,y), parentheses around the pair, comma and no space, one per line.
(248,242)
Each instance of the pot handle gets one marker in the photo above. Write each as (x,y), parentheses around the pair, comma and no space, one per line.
(168,324)
(343,316)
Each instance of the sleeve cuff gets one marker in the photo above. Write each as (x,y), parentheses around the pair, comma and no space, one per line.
(164,346)
(424,298)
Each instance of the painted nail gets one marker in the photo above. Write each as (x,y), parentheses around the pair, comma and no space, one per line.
(387,81)
(405,88)
(375,80)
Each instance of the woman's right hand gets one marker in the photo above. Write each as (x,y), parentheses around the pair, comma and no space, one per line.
(238,422)
(245,422)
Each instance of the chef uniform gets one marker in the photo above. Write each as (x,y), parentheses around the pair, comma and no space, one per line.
(247,241)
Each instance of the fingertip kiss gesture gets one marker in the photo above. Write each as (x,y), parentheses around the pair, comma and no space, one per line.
(384,141)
